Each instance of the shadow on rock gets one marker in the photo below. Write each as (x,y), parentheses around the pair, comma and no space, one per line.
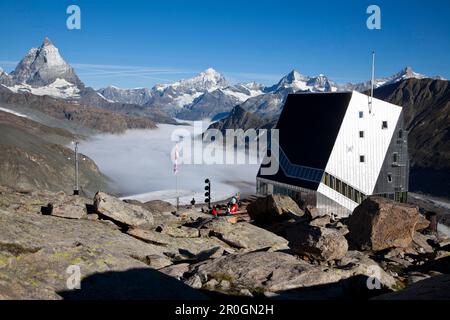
(354,288)
(133,284)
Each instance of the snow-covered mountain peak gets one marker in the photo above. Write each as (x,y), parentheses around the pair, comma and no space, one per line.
(407,73)
(47,42)
(295,81)
(207,80)
(43,66)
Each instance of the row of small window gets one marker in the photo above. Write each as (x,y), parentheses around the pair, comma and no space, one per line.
(384,124)
(362,158)
(343,188)
(397,196)
(400,134)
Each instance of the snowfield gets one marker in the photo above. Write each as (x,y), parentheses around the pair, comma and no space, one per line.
(139,163)
(60,88)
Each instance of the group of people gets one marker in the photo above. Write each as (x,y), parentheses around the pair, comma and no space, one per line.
(231,208)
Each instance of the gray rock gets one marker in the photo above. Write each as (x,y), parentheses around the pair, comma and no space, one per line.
(211,284)
(320,221)
(194,282)
(245,292)
(379,223)
(157,261)
(225,284)
(277,271)
(70,208)
(244,235)
(177,270)
(193,249)
(180,232)
(414,277)
(117,210)
(317,243)
(421,242)
(272,208)
(312,212)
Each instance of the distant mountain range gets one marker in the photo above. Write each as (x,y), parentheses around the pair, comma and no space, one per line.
(43,71)
(48,90)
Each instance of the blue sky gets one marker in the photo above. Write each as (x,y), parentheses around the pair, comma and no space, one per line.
(141,43)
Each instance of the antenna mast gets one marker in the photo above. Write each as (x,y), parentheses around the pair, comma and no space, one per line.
(372,82)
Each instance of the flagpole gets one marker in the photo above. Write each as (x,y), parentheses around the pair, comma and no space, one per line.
(175,171)
(176,188)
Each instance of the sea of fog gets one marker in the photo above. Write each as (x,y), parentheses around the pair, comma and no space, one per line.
(139,162)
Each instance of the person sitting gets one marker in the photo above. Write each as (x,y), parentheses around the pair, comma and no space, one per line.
(233,207)
(214,211)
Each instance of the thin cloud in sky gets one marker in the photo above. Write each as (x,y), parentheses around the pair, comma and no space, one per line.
(108,72)
(114,71)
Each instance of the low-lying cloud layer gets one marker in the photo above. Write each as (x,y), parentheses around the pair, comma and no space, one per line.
(139,161)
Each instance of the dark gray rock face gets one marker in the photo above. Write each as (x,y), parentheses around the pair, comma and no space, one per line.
(239,118)
(42,66)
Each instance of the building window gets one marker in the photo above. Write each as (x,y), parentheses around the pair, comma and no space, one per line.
(344,189)
(389,177)
(361,114)
(361,134)
(338,185)
(362,159)
(400,134)
(395,157)
(384,125)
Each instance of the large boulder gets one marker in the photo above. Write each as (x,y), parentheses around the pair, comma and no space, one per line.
(317,242)
(379,223)
(272,208)
(70,207)
(243,235)
(281,272)
(124,213)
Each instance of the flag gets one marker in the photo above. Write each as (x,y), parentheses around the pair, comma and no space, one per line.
(176,156)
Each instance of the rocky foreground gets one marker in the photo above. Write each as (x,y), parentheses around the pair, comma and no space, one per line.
(132,250)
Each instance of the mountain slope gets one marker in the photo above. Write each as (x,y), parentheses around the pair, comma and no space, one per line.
(139,96)
(239,118)
(426,104)
(33,157)
(70,115)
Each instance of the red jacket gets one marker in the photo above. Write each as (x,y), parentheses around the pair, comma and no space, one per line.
(234,208)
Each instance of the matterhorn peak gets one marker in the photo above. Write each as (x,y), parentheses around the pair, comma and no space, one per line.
(46,42)
(43,66)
